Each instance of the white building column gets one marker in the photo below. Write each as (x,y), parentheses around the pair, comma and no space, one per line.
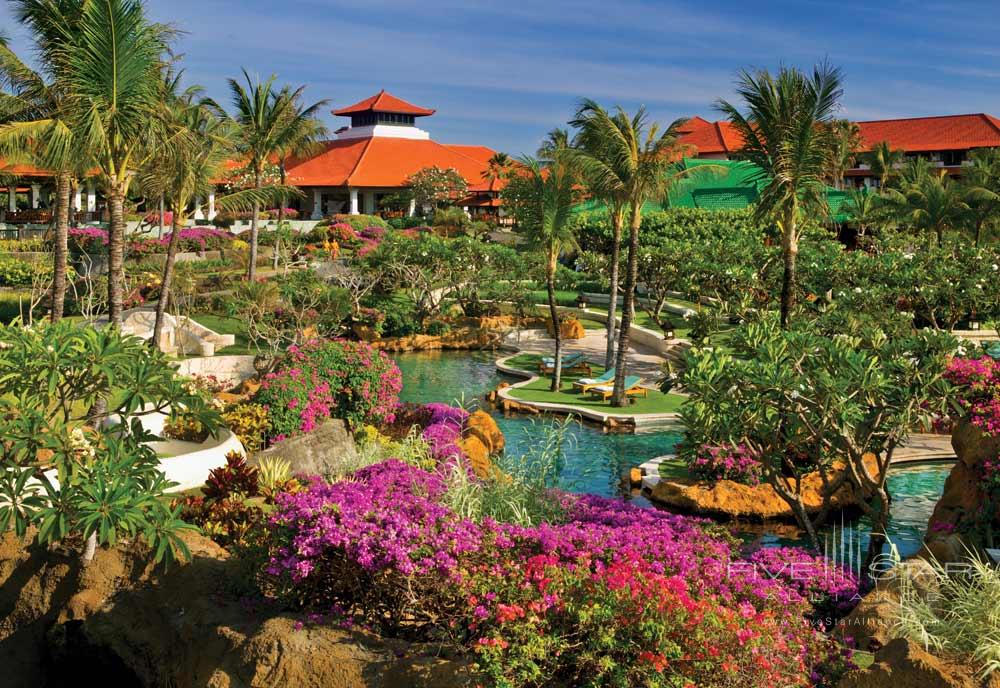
(91,198)
(36,196)
(413,208)
(354,201)
(77,200)
(12,198)
(317,213)
(198,214)
(211,204)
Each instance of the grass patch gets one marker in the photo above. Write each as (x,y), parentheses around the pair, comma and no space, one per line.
(223,324)
(674,469)
(538,390)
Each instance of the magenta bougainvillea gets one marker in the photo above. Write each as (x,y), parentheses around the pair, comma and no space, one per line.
(727,462)
(329,378)
(611,590)
(977,382)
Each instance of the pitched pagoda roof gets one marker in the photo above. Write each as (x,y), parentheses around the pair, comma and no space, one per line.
(383,101)
(388,162)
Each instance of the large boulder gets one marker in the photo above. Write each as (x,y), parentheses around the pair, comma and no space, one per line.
(457,338)
(571,328)
(904,664)
(481,441)
(328,449)
(962,496)
(733,500)
(190,626)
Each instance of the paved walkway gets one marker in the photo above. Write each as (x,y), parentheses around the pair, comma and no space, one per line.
(924,447)
(643,362)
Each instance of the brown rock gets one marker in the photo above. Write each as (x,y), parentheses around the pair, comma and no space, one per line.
(458,338)
(904,664)
(365,332)
(571,328)
(323,451)
(481,424)
(249,386)
(228,398)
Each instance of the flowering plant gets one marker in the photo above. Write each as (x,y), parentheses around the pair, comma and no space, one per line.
(978,383)
(726,462)
(612,594)
(324,378)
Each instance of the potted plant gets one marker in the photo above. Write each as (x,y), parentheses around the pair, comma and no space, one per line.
(668,329)
(581,301)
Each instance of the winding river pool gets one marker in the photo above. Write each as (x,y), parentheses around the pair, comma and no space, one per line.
(594,461)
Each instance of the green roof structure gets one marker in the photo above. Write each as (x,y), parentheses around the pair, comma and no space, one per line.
(720,185)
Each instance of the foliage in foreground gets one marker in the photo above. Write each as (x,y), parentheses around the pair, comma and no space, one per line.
(962,618)
(608,594)
(65,471)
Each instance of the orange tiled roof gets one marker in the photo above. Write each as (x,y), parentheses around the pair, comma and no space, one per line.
(384,102)
(949,132)
(386,162)
(915,134)
(18,170)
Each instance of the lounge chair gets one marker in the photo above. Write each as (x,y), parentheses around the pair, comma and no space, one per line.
(632,389)
(570,364)
(585,383)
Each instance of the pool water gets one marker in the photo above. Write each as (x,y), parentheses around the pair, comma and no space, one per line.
(594,461)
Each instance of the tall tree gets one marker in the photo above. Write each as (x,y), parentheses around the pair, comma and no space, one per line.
(595,157)
(884,162)
(198,144)
(786,134)
(932,205)
(541,196)
(110,68)
(981,181)
(843,155)
(269,121)
(32,119)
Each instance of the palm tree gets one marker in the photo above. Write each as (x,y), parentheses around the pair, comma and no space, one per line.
(541,197)
(597,132)
(883,161)
(199,144)
(864,209)
(627,161)
(556,140)
(270,123)
(110,70)
(497,168)
(32,120)
(846,142)
(915,170)
(933,205)
(981,181)
(786,134)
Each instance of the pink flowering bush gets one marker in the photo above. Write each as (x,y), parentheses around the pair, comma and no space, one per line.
(726,462)
(329,378)
(978,390)
(831,588)
(612,594)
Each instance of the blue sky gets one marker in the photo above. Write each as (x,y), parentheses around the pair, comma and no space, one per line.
(504,73)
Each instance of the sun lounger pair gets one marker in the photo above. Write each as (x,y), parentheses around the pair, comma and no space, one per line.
(584,384)
(573,363)
(632,388)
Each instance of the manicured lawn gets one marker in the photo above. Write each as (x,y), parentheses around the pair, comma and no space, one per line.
(655,402)
(223,324)
(674,469)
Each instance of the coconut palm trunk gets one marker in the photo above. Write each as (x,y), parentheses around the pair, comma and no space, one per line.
(116,254)
(790,253)
(628,306)
(616,247)
(550,283)
(61,247)
(281,219)
(254,232)
(168,275)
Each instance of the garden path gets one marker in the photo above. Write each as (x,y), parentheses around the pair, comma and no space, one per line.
(642,361)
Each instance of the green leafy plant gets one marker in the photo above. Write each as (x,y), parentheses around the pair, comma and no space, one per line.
(76,463)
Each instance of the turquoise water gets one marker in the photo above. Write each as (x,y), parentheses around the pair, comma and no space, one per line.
(594,461)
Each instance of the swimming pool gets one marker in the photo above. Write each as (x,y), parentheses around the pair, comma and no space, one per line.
(594,461)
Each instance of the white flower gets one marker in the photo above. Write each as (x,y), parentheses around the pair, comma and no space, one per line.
(795,394)
(857,290)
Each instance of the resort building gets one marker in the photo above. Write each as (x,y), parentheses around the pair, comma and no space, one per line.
(377,153)
(945,141)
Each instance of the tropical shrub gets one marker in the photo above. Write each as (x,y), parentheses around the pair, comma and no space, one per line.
(725,462)
(23,273)
(236,478)
(614,595)
(358,222)
(64,471)
(249,422)
(320,379)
